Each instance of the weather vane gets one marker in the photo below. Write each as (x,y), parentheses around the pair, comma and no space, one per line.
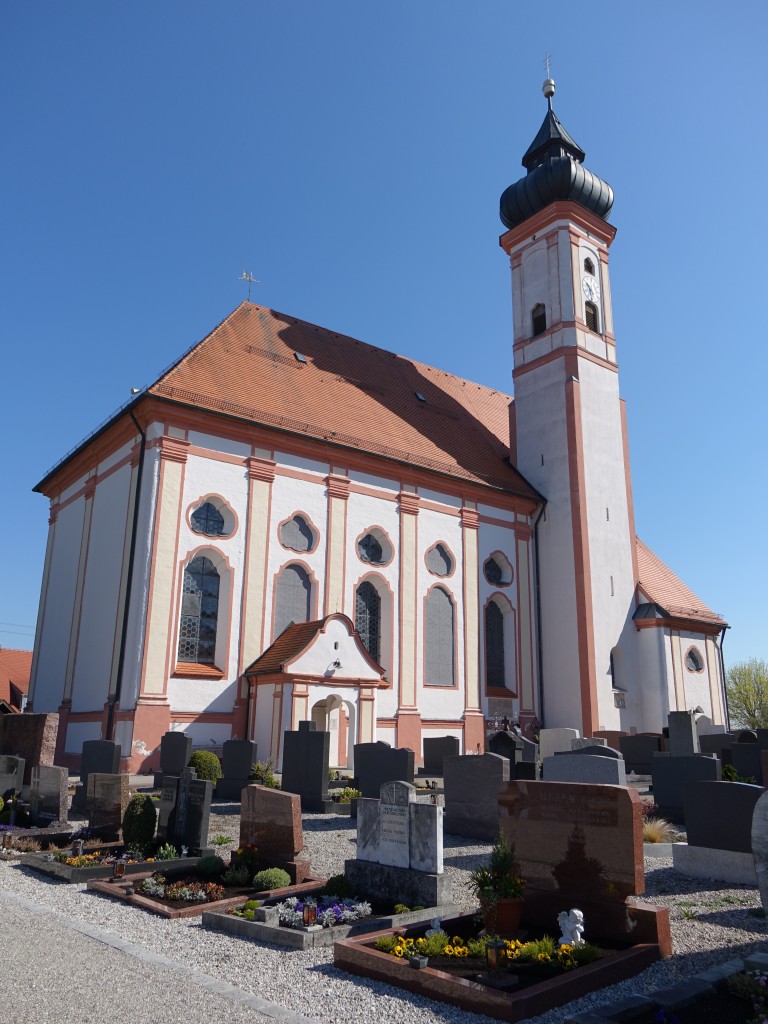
(549,86)
(250,279)
(548,65)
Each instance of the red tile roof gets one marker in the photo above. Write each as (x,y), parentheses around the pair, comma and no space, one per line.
(667,590)
(265,367)
(291,642)
(15,667)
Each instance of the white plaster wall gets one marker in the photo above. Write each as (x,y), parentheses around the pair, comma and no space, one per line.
(498,513)
(205,734)
(201,695)
(535,287)
(262,732)
(697,684)
(115,457)
(78,733)
(298,462)
(387,735)
(434,527)
(124,736)
(53,643)
(654,677)
(370,480)
(101,592)
(318,659)
(217,443)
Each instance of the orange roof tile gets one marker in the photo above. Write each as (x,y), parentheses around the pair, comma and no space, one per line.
(667,590)
(15,667)
(272,369)
(291,642)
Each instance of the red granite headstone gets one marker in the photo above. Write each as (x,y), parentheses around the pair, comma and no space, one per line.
(271,821)
(32,737)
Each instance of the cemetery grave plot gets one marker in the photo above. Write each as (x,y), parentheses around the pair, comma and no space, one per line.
(525,993)
(214,895)
(97,861)
(279,921)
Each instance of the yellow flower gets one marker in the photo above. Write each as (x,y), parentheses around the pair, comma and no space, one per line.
(398,951)
(448,950)
(565,948)
(456,940)
(543,957)
(421,943)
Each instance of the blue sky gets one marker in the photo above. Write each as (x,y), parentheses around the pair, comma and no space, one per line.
(351,155)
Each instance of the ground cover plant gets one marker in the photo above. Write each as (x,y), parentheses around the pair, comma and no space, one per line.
(544,952)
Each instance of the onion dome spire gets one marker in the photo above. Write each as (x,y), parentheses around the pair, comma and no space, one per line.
(554,171)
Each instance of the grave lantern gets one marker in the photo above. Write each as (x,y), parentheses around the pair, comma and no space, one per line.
(118,869)
(310,913)
(495,954)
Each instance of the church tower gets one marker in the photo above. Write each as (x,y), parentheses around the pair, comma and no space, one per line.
(568,427)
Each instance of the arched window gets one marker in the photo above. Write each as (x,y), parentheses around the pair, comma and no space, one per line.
(208,520)
(199,612)
(297,534)
(440,668)
(439,560)
(368,618)
(495,674)
(292,597)
(538,319)
(590,315)
(589,266)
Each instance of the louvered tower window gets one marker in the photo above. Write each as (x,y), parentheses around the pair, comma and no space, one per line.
(538,319)
(589,266)
(439,639)
(590,310)
(199,612)
(494,646)
(292,597)
(368,618)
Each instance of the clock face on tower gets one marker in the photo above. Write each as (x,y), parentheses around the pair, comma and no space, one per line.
(590,289)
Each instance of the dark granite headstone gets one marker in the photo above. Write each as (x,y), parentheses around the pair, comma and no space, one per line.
(638,751)
(102,756)
(435,749)
(377,763)
(669,775)
(507,744)
(167,806)
(189,822)
(594,769)
(11,775)
(683,737)
(746,759)
(525,770)
(32,737)
(717,743)
(306,756)
(718,815)
(48,798)
(530,754)
(472,785)
(107,802)
(746,736)
(175,752)
(237,759)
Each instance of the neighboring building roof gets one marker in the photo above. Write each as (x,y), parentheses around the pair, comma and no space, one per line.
(667,590)
(264,367)
(15,667)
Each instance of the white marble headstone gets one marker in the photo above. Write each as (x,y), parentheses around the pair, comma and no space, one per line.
(395,824)
(760,846)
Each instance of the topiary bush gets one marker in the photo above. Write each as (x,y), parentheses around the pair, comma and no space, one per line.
(206,764)
(139,822)
(271,878)
(210,867)
(338,885)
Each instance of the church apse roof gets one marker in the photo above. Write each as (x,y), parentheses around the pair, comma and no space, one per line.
(268,368)
(668,591)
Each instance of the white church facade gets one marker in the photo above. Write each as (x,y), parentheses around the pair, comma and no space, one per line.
(291,524)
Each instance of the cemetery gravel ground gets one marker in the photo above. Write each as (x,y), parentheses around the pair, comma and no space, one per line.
(711,923)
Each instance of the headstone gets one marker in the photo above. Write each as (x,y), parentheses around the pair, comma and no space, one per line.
(552,740)
(11,776)
(530,754)
(719,744)
(107,802)
(592,751)
(638,751)
(306,756)
(683,737)
(611,736)
(747,760)
(572,767)
(577,846)
(746,736)
(472,785)
(670,774)
(175,752)
(718,815)
(32,737)
(237,759)
(167,806)
(48,799)
(102,756)
(270,820)
(435,749)
(507,744)
(189,821)
(760,846)
(377,763)
(581,742)
(528,770)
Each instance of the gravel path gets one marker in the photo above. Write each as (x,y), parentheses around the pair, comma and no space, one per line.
(711,923)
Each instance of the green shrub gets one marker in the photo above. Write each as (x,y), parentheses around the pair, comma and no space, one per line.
(338,886)
(210,867)
(139,822)
(21,816)
(400,908)
(206,764)
(348,794)
(271,878)
(263,773)
(729,774)
(166,852)
(236,876)
(2,802)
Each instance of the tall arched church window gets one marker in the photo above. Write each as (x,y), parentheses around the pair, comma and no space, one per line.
(591,316)
(495,674)
(440,667)
(292,597)
(538,319)
(199,612)
(208,520)
(297,534)
(368,618)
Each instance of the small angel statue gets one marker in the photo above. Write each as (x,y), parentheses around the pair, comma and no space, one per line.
(572,926)
(436,928)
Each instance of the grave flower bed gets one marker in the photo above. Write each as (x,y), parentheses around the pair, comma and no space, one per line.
(99,861)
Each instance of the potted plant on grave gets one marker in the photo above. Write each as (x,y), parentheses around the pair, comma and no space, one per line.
(499,889)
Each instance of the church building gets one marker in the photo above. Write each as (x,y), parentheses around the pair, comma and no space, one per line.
(291,524)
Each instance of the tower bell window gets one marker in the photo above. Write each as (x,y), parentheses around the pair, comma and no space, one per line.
(538,319)
(590,315)
(589,266)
